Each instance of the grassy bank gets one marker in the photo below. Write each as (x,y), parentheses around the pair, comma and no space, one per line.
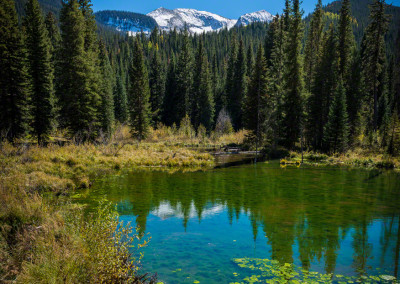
(47,240)
(358,158)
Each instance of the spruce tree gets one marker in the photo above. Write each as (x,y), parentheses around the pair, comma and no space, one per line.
(203,104)
(40,71)
(170,99)
(293,105)
(324,86)
(249,61)
(230,74)
(184,80)
(120,98)
(236,96)
(313,45)
(286,15)
(215,83)
(345,40)
(157,87)
(355,94)
(374,57)
(139,94)
(53,32)
(275,74)
(106,91)
(256,111)
(14,92)
(78,98)
(336,129)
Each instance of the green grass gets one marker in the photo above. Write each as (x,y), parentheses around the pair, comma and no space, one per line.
(48,239)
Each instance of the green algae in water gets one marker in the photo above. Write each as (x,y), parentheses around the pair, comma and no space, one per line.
(271,271)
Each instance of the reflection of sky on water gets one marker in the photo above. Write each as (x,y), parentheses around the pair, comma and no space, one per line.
(165,211)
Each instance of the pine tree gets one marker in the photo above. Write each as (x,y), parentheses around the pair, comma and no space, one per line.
(323,89)
(203,104)
(79,99)
(157,87)
(230,74)
(256,111)
(236,96)
(184,80)
(170,99)
(215,83)
(275,74)
(40,71)
(54,35)
(313,45)
(355,93)
(14,92)
(345,40)
(269,40)
(336,129)
(286,15)
(53,31)
(374,57)
(120,98)
(106,91)
(139,94)
(249,61)
(293,105)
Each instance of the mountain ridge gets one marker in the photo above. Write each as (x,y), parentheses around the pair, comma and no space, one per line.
(196,21)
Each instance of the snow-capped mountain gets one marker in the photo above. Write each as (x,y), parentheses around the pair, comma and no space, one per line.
(259,16)
(196,21)
(129,22)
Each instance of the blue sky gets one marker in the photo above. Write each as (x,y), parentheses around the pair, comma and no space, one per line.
(227,8)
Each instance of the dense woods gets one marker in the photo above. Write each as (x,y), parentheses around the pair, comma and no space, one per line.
(316,82)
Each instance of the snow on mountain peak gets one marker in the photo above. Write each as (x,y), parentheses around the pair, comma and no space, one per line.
(259,16)
(196,21)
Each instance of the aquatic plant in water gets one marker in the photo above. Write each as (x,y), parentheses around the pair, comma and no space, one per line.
(271,271)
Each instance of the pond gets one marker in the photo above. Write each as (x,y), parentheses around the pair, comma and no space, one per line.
(327,220)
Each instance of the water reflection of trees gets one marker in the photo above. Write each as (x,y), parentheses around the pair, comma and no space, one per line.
(315,208)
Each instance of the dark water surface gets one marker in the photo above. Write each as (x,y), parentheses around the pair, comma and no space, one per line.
(329,220)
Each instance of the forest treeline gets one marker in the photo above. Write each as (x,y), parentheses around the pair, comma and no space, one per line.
(289,86)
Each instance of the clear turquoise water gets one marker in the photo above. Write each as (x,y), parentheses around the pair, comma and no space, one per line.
(328,220)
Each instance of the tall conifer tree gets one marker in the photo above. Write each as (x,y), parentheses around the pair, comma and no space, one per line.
(374,57)
(40,71)
(256,111)
(184,79)
(313,45)
(157,87)
(293,105)
(236,96)
(230,73)
(139,94)
(276,73)
(106,91)
(203,104)
(14,94)
(336,129)
(323,89)
(345,41)
(120,98)
(79,100)
(170,99)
